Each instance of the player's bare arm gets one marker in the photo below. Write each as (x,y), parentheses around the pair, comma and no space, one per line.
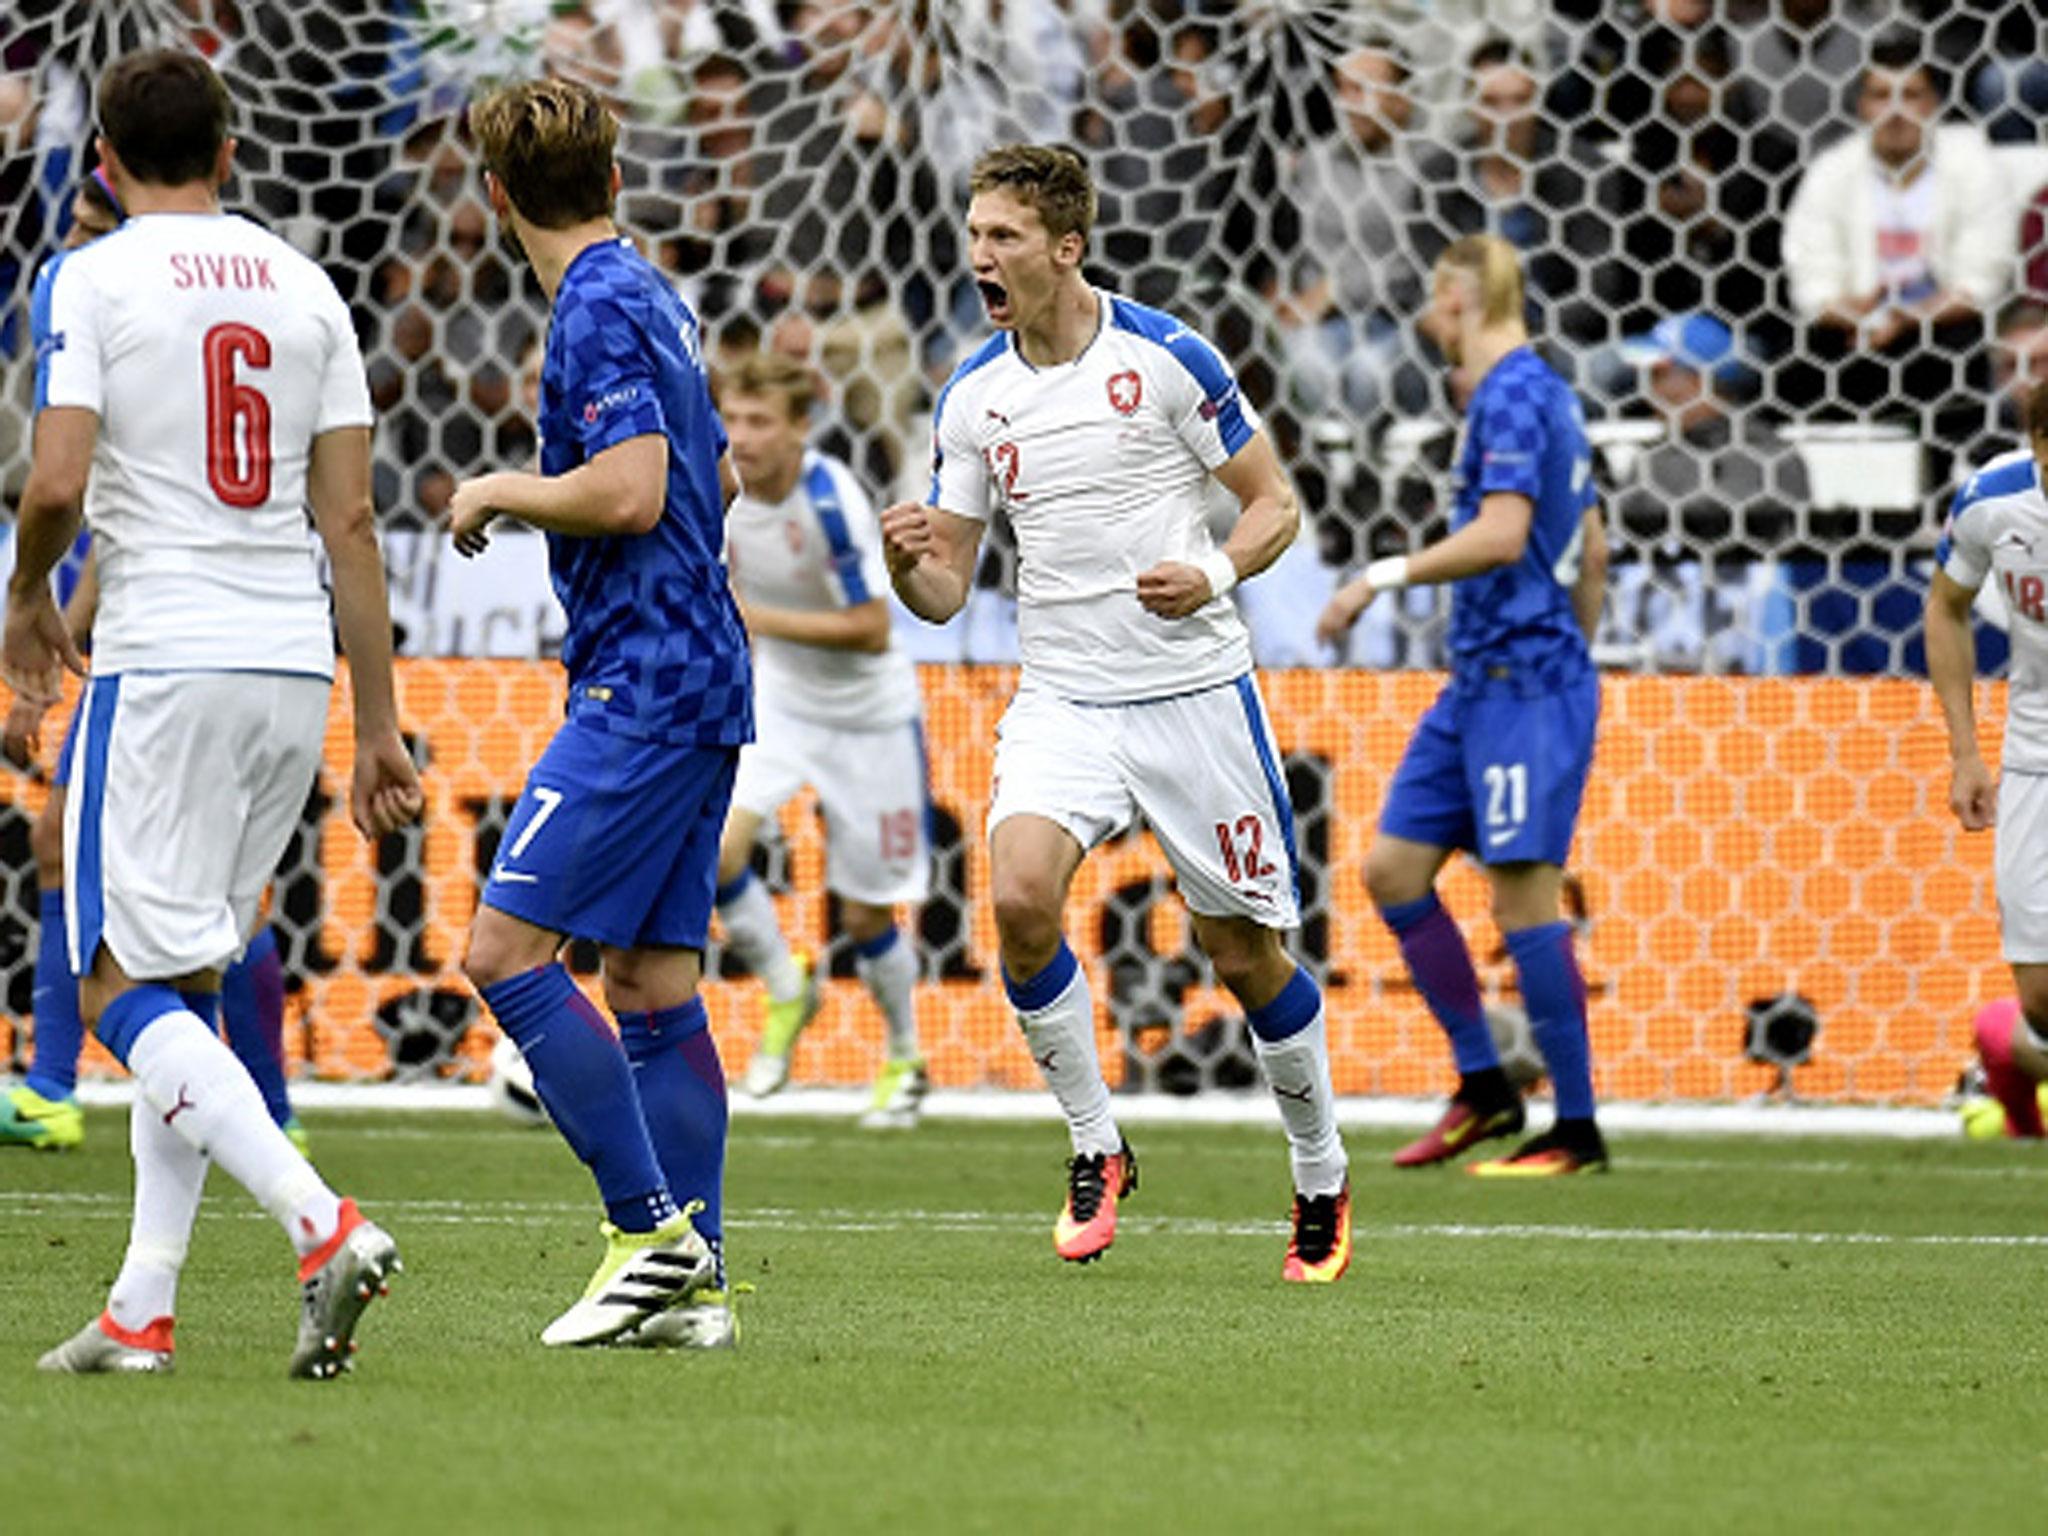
(620,491)
(862,627)
(1952,668)
(37,646)
(1589,590)
(385,794)
(1494,538)
(931,555)
(1267,522)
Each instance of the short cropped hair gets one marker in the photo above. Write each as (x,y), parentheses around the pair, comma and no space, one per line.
(2037,411)
(550,144)
(772,376)
(166,114)
(1049,178)
(1499,269)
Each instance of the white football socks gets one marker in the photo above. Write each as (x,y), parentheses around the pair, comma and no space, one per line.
(1061,1036)
(170,1175)
(1298,1071)
(206,1096)
(891,979)
(755,935)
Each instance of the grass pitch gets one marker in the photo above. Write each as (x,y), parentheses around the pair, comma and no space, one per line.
(1753,1336)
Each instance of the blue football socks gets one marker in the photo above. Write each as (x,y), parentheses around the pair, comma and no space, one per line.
(60,1033)
(252,1008)
(582,1077)
(1555,994)
(681,1084)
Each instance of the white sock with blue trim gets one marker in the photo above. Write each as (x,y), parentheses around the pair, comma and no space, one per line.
(1057,1015)
(752,929)
(888,968)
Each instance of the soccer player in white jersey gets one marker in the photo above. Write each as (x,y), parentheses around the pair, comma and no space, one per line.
(1102,426)
(1998,532)
(203,377)
(836,707)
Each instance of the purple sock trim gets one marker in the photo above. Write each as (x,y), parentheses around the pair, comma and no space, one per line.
(1441,965)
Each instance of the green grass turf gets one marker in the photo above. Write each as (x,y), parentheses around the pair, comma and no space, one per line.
(1718,1336)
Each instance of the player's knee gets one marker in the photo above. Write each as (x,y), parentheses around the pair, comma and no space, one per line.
(493,956)
(1027,916)
(863,922)
(1390,880)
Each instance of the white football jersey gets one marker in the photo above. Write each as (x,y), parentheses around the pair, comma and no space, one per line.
(818,550)
(1998,531)
(213,354)
(1103,465)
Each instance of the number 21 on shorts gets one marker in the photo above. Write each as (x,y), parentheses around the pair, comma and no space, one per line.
(1507,801)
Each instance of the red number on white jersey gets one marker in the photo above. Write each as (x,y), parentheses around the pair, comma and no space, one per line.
(2026,594)
(237,416)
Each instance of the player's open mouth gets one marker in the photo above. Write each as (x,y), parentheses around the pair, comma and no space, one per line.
(995,298)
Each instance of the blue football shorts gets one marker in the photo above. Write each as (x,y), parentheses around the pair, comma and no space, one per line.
(1498,768)
(615,839)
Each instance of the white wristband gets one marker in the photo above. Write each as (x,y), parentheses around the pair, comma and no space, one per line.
(1387,573)
(1221,571)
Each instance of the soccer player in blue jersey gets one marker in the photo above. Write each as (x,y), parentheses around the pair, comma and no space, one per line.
(615,838)
(1498,764)
(42,1111)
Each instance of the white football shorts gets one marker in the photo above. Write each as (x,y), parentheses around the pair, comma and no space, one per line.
(185,788)
(872,787)
(1199,767)
(2022,867)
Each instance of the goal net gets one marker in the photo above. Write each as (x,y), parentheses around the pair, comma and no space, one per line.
(1767,818)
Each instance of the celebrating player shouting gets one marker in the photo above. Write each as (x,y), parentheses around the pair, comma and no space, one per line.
(1100,425)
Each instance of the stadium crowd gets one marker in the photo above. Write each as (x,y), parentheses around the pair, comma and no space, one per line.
(1758,232)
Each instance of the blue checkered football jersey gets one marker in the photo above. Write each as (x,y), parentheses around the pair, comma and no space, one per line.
(655,648)
(1524,432)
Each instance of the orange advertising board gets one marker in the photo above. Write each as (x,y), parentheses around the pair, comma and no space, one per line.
(1742,838)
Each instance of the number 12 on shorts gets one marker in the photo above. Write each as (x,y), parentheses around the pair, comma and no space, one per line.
(1242,845)
(1507,801)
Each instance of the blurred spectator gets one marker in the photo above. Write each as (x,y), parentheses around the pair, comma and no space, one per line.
(1897,245)
(1150,131)
(1520,179)
(1804,56)
(1718,476)
(2019,358)
(1693,194)
(1611,82)
(1367,248)
(1994,48)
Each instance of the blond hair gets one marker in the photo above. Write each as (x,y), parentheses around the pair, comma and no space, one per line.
(1498,269)
(772,376)
(1050,179)
(550,144)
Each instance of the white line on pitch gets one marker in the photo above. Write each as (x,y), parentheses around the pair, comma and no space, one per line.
(510,1212)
